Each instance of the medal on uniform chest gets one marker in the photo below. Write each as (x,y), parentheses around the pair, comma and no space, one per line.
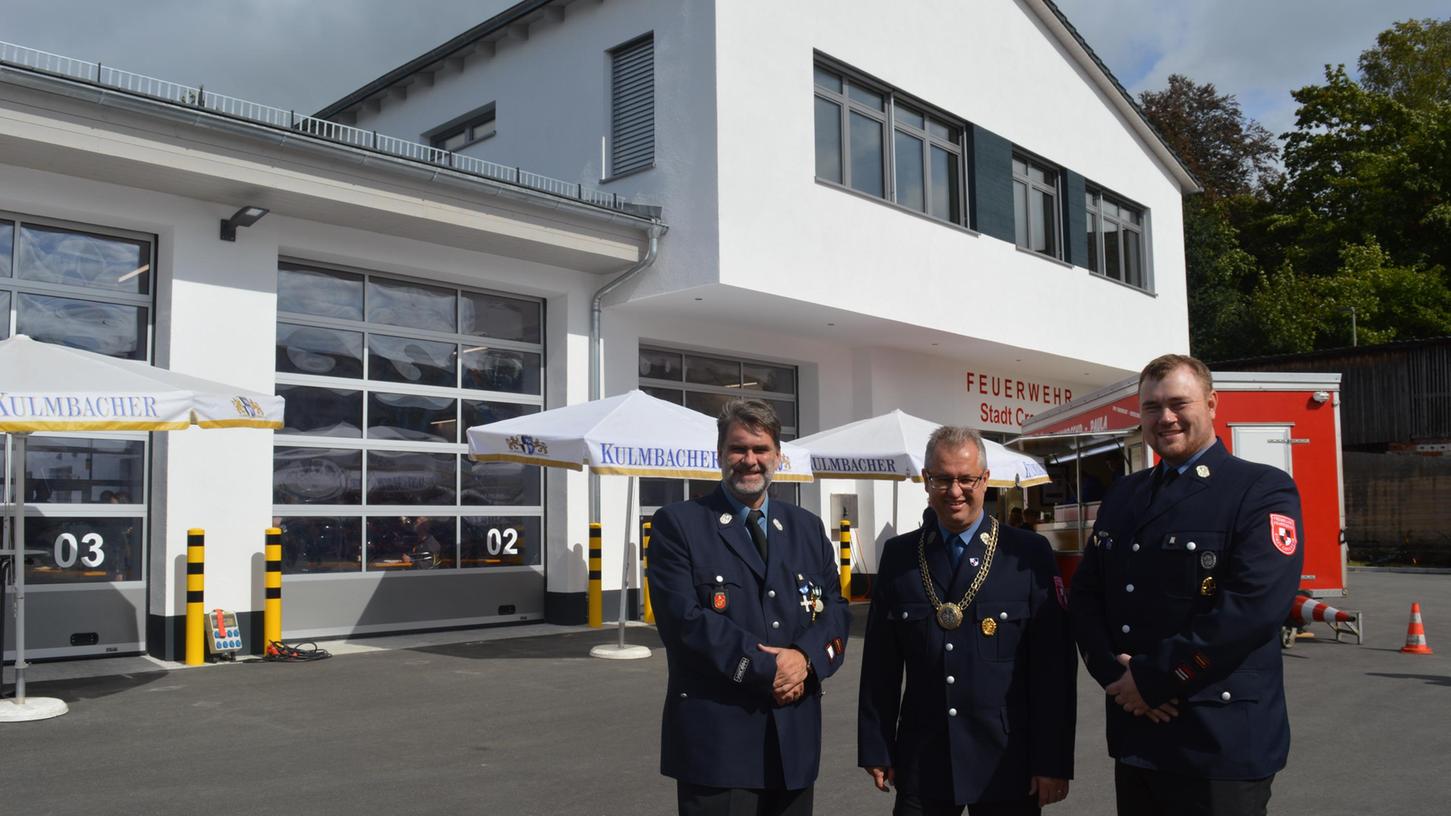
(950,615)
(811,599)
(1206,587)
(989,627)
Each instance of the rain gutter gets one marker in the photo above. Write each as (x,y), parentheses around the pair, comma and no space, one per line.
(596,360)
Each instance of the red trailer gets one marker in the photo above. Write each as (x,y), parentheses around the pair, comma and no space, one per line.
(1288,420)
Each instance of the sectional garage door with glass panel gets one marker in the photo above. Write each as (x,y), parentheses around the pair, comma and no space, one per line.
(386,522)
(86,495)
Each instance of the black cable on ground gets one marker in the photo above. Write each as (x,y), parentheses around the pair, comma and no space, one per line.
(301,651)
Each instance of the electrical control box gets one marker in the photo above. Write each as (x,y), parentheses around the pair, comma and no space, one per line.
(224,636)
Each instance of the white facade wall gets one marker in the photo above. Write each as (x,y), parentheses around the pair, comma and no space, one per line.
(989,64)
(880,308)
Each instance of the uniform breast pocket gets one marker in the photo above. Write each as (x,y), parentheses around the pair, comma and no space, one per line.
(1186,559)
(718,593)
(998,627)
(909,624)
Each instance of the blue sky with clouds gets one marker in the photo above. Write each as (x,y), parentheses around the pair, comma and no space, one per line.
(1258,50)
(303,54)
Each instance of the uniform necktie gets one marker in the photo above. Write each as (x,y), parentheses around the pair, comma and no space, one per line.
(1163,479)
(753,524)
(955,548)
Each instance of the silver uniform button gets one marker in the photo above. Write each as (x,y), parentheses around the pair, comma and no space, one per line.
(949,647)
(775,624)
(770,593)
(1136,546)
(952,712)
(951,679)
(720,579)
(1129,588)
(904,616)
(1191,546)
(1002,616)
(1224,696)
(1125,628)
(683,695)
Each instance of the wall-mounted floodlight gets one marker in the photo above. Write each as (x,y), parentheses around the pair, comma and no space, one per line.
(245,217)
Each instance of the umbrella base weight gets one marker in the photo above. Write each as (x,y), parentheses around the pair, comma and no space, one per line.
(34,708)
(614,652)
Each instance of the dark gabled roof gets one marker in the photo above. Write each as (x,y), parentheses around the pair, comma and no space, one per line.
(514,14)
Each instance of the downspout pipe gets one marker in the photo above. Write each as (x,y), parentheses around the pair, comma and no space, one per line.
(596,356)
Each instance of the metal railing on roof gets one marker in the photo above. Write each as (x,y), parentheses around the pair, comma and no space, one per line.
(141,85)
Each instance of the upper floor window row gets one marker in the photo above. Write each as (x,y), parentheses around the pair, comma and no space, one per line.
(1036,195)
(1115,239)
(464,131)
(873,140)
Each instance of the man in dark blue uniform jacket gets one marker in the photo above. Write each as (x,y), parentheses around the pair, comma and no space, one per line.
(1191,569)
(748,602)
(974,612)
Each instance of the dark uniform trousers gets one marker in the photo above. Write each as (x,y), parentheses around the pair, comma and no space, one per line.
(729,747)
(1146,792)
(986,706)
(1192,577)
(909,805)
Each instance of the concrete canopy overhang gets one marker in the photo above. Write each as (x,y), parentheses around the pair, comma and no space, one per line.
(55,126)
(745,309)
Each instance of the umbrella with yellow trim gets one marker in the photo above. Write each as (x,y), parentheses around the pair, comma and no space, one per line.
(47,388)
(892,446)
(633,434)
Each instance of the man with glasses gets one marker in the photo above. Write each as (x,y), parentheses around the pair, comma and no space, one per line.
(1189,573)
(973,612)
(748,601)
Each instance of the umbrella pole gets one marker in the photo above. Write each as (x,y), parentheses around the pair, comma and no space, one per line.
(17,546)
(895,532)
(625,563)
(620,651)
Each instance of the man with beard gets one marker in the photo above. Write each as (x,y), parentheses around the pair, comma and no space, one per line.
(972,611)
(748,603)
(1191,569)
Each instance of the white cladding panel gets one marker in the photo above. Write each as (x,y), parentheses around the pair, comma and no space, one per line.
(991,64)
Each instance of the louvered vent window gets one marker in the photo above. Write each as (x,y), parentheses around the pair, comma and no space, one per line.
(632,106)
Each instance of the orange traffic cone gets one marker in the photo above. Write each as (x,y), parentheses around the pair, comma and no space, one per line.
(1416,634)
(1306,609)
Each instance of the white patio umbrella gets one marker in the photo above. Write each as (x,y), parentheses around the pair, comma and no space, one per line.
(633,435)
(891,446)
(46,387)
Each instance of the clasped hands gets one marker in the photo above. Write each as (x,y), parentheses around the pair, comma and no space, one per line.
(1126,693)
(789,684)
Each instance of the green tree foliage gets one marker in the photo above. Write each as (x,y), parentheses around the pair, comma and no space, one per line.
(1226,151)
(1360,220)
(1411,63)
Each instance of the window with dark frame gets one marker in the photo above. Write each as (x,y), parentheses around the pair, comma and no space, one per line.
(457,136)
(704,383)
(632,106)
(1035,206)
(920,167)
(1115,239)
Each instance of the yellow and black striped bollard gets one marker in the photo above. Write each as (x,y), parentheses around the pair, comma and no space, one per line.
(196,618)
(596,584)
(649,614)
(272,589)
(844,536)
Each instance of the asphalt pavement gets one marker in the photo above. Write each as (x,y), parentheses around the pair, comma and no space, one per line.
(519,722)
